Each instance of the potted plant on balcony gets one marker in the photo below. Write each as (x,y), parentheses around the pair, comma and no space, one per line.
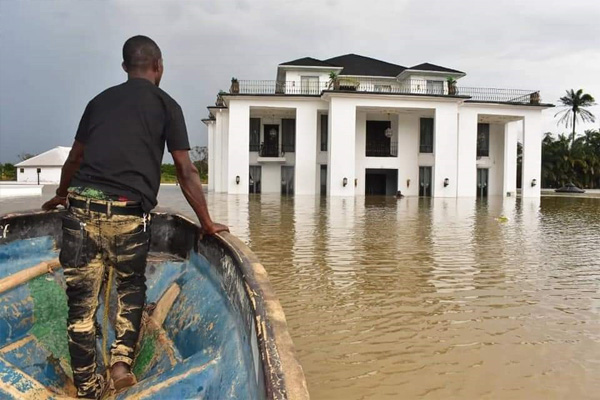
(334,82)
(220,102)
(451,86)
(534,98)
(235,86)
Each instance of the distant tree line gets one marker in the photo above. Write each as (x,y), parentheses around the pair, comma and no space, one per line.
(571,160)
(8,171)
(198,155)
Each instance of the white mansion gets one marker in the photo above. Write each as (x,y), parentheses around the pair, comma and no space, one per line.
(353,125)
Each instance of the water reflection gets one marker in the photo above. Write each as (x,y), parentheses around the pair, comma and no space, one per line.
(432,298)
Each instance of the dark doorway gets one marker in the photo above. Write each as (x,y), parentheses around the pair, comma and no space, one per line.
(255,178)
(482,182)
(323,179)
(378,145)
(381,182)
(425,181)
(287,180)
(270,146)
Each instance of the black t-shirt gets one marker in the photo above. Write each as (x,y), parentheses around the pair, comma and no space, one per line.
(124,130)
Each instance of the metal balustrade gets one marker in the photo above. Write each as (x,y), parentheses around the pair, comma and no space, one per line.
(381,149)
(421,87)
(270,150)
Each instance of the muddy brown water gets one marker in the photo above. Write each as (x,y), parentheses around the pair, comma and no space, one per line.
(428,298)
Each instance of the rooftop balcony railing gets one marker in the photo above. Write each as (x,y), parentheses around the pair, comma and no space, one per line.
(307,88)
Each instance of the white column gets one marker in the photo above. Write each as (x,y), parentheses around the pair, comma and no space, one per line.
(238,154)
(445,150)
(211,155)
(218,152)
(467,153)
(510,158)
(305,170)
(532,155)
(224,150)
(342,146)
(360,150)
(408,154)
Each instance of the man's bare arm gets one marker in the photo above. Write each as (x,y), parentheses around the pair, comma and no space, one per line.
(68,170)
(191,186)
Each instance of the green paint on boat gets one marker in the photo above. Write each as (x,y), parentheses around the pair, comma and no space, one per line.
(146,353)
(50,310)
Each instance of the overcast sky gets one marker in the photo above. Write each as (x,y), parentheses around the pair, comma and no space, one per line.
(56,55)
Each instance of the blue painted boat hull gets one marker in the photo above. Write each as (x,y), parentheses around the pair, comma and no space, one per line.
(224,335)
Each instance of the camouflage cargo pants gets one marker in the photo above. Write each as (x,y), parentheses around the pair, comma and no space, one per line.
(92,243)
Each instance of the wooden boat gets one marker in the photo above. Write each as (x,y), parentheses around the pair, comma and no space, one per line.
(218,330)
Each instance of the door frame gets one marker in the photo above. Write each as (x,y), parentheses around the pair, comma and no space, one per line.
(266,143)
(483,192)
(427,191)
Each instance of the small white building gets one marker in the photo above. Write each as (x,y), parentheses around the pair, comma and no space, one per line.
(372,128)
(46,167)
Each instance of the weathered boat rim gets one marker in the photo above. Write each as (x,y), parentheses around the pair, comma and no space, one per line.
(279,356)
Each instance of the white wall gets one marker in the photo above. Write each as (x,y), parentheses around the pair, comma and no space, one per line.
(218,153)
(455,140)
(271,178)
(342,154)
(467,155)
(211,155)
(49,175)
(238,155)
(445,144)
(409,158)
(510,158)
(532,154)
(305,173)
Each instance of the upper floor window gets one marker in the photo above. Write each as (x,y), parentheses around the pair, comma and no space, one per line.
(426,136)
(324,128)
(254,134)
(483,140)
(22,170)
(383,88)
(309,84)
(288,132)
(435,87)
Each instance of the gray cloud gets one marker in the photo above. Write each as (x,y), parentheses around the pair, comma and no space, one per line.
(55,56)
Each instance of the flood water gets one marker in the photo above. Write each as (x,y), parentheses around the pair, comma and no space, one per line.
(428,298)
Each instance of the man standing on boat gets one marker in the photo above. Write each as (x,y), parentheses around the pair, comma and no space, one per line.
(111,179)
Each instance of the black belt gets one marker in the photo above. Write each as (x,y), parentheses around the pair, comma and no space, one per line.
(103,208)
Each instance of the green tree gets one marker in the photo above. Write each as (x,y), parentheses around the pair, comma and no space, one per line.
(8,172)
(565,161)
(168,174)
(575,103)
(199,155)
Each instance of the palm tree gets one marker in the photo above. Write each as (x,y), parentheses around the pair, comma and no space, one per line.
(575,103)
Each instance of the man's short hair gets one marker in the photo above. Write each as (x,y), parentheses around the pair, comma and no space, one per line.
(140,53)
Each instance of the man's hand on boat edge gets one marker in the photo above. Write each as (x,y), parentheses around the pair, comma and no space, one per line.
(55,202)
(214,228)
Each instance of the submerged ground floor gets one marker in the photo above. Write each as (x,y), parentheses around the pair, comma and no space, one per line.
(347,146)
